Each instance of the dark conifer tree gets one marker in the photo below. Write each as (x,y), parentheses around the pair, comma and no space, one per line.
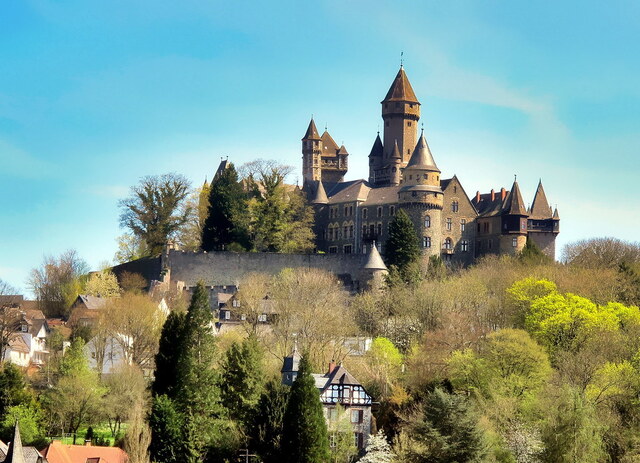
(532,255)
(242,378)
(267,425)
(402,249)
(168,443)
(225,223)
(305,438)
(166,373)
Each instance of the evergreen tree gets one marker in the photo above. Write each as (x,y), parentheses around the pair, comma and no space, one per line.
(305,438)
(268,421)
(402,249)
(447,432)
(166,372)
(167,437)
(242,378)
(532,255)
(225,222)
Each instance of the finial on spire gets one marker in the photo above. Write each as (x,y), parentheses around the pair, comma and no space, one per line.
(515,177)
(422,128)
(325,127)
(402,59)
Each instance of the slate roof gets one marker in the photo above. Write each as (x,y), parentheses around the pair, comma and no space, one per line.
(374,261)
(514,204)
(312,132)
(321,195)
(395,154)
(377,149)
(348,191)
(401,89)
(292,362)
(382,195)
(329,145)
(540,208)
(339,375)
(91,302)
(15,453)
(487,207)
(422,157)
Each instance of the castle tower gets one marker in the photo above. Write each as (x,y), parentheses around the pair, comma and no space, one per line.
(375,159)
(514,222)
(421,196)
(311,154)
(374,270)
(543,223)
(400,112)
(395,165)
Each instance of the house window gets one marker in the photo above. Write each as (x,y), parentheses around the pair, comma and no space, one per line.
(227,314)
(333,249)
(454,206)
(356,416)
(392,211)
(489,244)
(347,249)
(448,244)
(262,317)
(514,242)
(364,213)
(449,223)
(24,328)
(463,224)
(427,221)
(379,211)
(464,246)
(426,242)
(486,227)
(358,439)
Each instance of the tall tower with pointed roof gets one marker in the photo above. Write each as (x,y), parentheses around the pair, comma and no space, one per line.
(311,154)
(400,112)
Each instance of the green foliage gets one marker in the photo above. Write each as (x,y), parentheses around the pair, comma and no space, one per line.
(242,378)
(446,432)
(30,421)
(532,255)
(268,422)
(102,284)
(153,211)
(13,388)
(402,248)
(305,438)
(74,360)
(385,361)
(343,447)
(226,219)
(167,425)
(166,372)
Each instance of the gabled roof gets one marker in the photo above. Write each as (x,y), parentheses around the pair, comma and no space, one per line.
(312,132)
(376,149)
(356,190)
(540,207)
(91,302)
(291,362)
(422,157)
(401,89)
(514,204)
(329,145)
(224,164)
(339,375)
(374,261)
(382,195)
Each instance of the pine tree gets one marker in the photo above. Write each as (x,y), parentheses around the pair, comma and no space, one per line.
(305,438)
(532,255)
(402,249)
(167,438)
(242,378)
(268,421)
(166,374)
(225,222)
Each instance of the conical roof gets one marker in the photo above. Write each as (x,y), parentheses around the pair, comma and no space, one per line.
(312,132)
(556,215)
(15,454)
(422,157)
(401,89)
(321,195)
(342,150)
(540,207)
(374,261)
(376,149)
(514,204)
(395,154)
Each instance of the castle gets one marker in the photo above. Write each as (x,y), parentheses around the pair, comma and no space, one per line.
(352,215)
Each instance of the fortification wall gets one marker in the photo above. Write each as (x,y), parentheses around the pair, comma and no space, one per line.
(229,268)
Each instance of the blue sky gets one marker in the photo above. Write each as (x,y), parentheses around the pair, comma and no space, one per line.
(96,94)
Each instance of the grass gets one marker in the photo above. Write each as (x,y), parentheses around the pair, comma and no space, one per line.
(101,432)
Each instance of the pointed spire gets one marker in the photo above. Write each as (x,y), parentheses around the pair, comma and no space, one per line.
(401,89)
(342,150)
(321,195)
(377,148)
(540,207)
(555,214)
(15,454)
(329,145)
(312,132)
(395,154)
(422,157)
(374,261)
(514,203)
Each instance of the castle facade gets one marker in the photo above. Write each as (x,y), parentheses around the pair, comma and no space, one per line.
(352,215)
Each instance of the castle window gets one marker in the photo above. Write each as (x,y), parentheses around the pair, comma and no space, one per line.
(408,151)
(345,230)
(455,189)
(463,224)
(449,222)
(333,249)
(414,194)
(350,210)
(409,124)
(364,213)
(392,211)
(514,242)
(426,177)
(346,211)
(486,227)
(379,229)
(350,231)
(489,243)
(454,206)
(464,246)
(427,221)
(379,211)
(448,244)
(372,229)
(397,105)
(347,249)
(426,242)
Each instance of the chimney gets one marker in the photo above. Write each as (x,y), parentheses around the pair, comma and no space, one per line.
(477,196)
(503,193)
(332,366)
(493,195)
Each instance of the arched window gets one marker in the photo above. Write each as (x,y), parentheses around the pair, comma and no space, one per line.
(427,221)
(448,244)
(364,213)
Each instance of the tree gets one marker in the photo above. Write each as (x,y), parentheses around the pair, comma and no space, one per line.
(226,220)
(153,210)
(532,255)
(168,444)
(446,432)
(29,418)
(9,317)
(166,360)
(57,283)
(384,360)
(266,431)
(102,284)
(601,253)
(13,389)
(343,447)
(242,379)
(402,248)
(305,438)
(125,391)
(130,247)
(377,450)
(138,436)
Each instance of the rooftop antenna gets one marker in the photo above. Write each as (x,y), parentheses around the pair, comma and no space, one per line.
(401,59)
